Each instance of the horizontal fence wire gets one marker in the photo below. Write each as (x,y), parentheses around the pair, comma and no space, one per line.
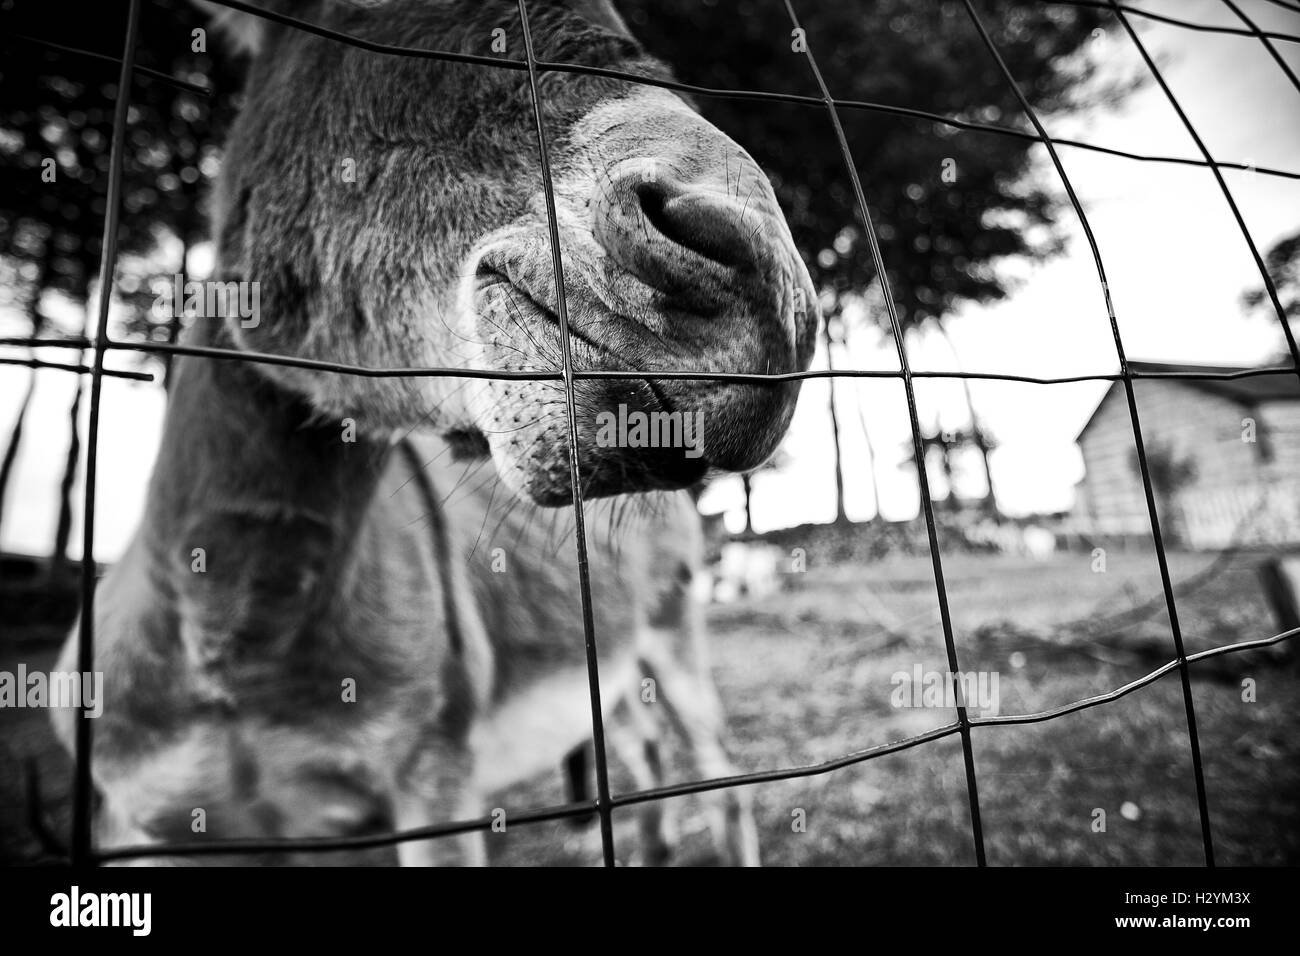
(1266,39)
(136,68)
(80,369)
(82,848)
(1174,21)
(581,809)
(758,95)
(544,375)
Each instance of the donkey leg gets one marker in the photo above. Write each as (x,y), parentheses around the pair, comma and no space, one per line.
(115,829)
(438,787)
(577,782)
(462,849)
(691,701)
(634,737)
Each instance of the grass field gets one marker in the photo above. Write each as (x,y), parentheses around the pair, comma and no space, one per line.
(806,677)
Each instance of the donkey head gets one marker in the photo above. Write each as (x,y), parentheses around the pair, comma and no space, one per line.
(392,211)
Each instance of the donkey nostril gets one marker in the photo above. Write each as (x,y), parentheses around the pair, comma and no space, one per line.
(688,241)
(694,223)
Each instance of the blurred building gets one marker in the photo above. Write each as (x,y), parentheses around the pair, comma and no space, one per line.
(1224,458)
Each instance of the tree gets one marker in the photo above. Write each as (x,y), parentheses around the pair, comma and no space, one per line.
(941,449)
(979,437)
(775,463)
(871,462)
(1170,474)
(841,516)
(55,137)
(1283,265)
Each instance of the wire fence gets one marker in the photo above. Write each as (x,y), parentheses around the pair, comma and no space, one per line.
(83,851)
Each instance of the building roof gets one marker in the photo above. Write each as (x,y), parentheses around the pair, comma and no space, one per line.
(1248,391)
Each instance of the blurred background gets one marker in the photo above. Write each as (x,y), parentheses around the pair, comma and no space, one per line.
(823,586)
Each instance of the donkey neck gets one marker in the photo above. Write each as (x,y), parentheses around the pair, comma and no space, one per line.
(237,449)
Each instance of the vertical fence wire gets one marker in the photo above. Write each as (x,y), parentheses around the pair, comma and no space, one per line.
(1286,5)
(1152,511)
(1269,285)
(1268,43)
(918,447)
(82,780)
(603,808)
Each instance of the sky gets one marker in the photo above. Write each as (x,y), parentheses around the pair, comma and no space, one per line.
(1174,257)
(1175,261)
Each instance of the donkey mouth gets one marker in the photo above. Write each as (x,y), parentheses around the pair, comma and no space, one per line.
(524,309)
(614,457)
(588,352)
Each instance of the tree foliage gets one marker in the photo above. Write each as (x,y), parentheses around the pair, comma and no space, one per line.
(56,132)
(1283,264)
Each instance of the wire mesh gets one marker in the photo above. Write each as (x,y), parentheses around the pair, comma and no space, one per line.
(82,849)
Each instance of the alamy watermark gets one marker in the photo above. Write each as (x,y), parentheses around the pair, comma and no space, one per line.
(208,299)
(26,688)
(638,429)
(133,911)
(974,690)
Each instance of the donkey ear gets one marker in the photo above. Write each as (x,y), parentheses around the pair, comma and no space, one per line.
(602,12)
(242,31)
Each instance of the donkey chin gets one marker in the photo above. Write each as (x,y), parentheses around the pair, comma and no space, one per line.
(675,258)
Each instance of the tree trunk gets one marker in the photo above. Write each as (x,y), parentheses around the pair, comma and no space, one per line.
(174,321)
(871,459)
(990,502)
(949,472)
(15,439)
(747,484)
(63,530)
(16,433)
(840,516)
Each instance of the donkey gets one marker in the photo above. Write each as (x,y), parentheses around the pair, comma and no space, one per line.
(352,602)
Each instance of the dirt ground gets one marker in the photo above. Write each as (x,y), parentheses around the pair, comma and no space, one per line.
(806,676)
